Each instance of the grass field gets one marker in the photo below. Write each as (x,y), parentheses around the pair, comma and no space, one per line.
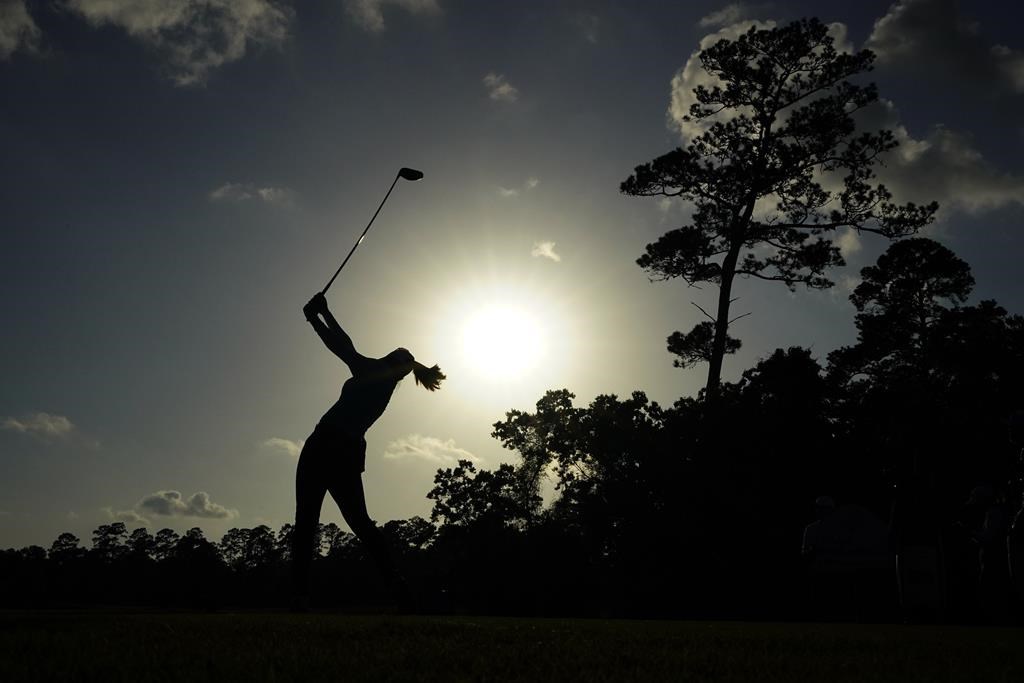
(133,646)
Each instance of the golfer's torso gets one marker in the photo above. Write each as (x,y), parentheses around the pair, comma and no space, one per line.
(363,399)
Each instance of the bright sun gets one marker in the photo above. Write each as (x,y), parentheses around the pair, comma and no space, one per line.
(502,342)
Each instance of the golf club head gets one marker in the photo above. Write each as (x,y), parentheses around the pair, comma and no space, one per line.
(410,173)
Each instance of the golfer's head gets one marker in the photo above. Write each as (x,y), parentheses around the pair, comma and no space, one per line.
(400,361)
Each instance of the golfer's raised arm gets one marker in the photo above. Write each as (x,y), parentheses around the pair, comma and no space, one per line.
(330,332)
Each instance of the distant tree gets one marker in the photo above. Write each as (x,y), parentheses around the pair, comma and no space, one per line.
(929,379)
(899,302)
(140,544)
(413,534)
(33,553)
(464,496)
(778,169)
(66,549)
(109,541)
(283,541)
(607,451)
(164,543)
(260,547)
(617,473)
(194,548)
(232,547)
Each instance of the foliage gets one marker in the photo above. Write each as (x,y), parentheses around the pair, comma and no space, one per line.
(778,168)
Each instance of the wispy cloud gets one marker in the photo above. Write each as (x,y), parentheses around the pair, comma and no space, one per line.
(848,242)
(17,29)
(429,448)
(244,192)
(729,14)
(944,166)
(848,283)
(126,516)
(41,425)
(510,192)
(285,446)
(193,36)
(935,32)
(369,14)
(545,250)
(172,504)
(499,89)
(589,25)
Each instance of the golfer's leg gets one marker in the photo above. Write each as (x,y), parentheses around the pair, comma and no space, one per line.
(347,491)
(309,496)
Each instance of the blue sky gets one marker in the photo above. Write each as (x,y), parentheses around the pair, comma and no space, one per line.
(179,177)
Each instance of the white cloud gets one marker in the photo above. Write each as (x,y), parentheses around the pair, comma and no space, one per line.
(194,36)
(932,37)
(243,192)
(730,14)
(693,74)
(428,448)
(369,14)
(500,90)
(171,504)
(545,250)
(943,166)
(285,446)
(17,29)
(848,242)
(126,516)
(531,183)
(40,425)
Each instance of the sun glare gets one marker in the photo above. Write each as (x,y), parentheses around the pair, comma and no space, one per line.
(502,342)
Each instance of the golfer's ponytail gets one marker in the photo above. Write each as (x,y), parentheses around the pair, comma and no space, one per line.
(430,378)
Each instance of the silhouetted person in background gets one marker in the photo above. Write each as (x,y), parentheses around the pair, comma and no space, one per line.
(334,456)
(986,517)
(1015,535)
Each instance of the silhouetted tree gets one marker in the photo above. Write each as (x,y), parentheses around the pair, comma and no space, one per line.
(164,543)
(232,547)
(777,124)
(334,541)
(899,301)
(66,549)
(140,544)
(464,496)
(261,547)
(413,534)
(108,541)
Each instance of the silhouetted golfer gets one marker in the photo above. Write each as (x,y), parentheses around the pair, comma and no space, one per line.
(334,455)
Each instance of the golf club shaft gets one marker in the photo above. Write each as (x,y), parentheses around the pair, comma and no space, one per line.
(360,240)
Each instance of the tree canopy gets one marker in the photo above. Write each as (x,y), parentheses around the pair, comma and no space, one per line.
(779,168)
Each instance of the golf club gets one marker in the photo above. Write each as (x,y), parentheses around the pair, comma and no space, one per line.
(409,174)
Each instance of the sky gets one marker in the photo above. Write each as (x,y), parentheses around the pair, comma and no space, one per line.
(180,176)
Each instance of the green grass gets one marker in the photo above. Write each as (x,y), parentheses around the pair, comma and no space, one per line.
(131,646)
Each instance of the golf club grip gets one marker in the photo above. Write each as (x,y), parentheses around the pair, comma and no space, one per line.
(358,241)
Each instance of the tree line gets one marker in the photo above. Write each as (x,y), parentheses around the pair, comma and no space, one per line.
(692,509)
